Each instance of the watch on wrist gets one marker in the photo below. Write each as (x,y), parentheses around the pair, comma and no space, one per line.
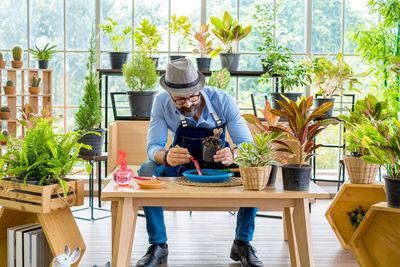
(165,159)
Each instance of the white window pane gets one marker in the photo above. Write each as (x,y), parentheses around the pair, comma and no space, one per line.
(145,9)
(76,72)
(326,26)
(57,65)
(58,112)
(70,119)
(121,12)
(80,20)
(46,23)
(13,24)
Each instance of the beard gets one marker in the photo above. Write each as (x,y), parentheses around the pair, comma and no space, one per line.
(189,112)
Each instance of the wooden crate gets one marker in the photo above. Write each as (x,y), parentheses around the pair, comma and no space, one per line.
(376,243)
(40,199)
(347,199)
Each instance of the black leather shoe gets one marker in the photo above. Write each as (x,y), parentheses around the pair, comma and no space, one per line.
(246,254)
(154,256)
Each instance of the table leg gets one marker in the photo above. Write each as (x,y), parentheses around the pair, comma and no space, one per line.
(285,233)
(124,215)
(290,235)
(91,189)
(302,232)
(99,182)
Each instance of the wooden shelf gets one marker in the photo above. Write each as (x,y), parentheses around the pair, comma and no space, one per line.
(24,69)
(348,199)
(377,240)
(27,95)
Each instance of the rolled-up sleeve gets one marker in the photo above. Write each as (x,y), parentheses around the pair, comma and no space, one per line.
(157,136)
(235,123)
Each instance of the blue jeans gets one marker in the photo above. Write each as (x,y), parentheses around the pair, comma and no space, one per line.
(155,215)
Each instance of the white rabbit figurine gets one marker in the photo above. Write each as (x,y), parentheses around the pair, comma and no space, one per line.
(65,260)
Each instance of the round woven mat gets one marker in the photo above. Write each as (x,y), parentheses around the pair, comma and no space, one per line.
(234,181)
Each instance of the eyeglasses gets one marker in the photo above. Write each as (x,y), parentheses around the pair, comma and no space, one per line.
(182,101)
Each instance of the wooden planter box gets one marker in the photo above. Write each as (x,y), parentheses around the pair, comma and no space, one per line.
(376,243)
(347,199)
(40,199)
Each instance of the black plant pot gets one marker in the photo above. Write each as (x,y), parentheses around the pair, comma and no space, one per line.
(141,103)
(176,57)
(230,61)
(203,63)
(94,140)
(272,175)
(296,178)
(268,65)
(278,96)
(43,64)
(319,101)
(392,186)
(118,59)
(155,60)
(208,153)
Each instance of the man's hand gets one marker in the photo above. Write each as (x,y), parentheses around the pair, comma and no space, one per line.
(224,156)
(177,156)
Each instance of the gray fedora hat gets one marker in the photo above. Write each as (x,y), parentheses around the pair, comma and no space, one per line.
(181,78)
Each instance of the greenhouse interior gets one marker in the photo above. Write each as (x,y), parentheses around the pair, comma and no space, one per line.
(200,133)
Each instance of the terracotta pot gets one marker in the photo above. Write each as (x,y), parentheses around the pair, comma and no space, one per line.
(9,90)
(4,115)
(17,64)
(34,90)
(2,64)
(255,178)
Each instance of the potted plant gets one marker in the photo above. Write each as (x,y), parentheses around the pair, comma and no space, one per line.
(304,128)
(4,113)
(43,55)
(140,76)
(34,89)
(259,127)
(255,160)
(117,34)
(2,61)
(203,46)
(180,28)
(88,117)
(43,157)
(17,51)
(387,154)
(210,145)
(147,38)
(220,79)
(230,33)
(5,134)
(9,88)
(331,79)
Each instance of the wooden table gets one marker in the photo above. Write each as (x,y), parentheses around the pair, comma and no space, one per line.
(127,200)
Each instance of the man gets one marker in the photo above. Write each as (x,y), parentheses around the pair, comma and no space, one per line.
(191,111)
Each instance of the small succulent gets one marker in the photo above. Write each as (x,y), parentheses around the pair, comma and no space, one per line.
(1,56)
(214,141)
(5,133)
(4,109)
(9,83)
(17,52)
(356,216)
(36,81)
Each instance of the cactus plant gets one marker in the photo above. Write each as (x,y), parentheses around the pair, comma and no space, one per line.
(4,109)
(17,52)
(9,83)
(36,81)
(1,56)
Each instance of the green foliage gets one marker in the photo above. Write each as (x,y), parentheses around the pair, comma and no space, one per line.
(229,32)
(386,150)
(203,46)
(1,56)
(42,155)
(356,216)
(220,78)
(329,78)
(36,81)
(303,126)
(269,119)
(17,52)
(117,34)
(147,37)
(4,109)
(9,83)
(5,133)
(89,114)
(261,152)
(43,54)
(180,28)
(395,64)
(140,72)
